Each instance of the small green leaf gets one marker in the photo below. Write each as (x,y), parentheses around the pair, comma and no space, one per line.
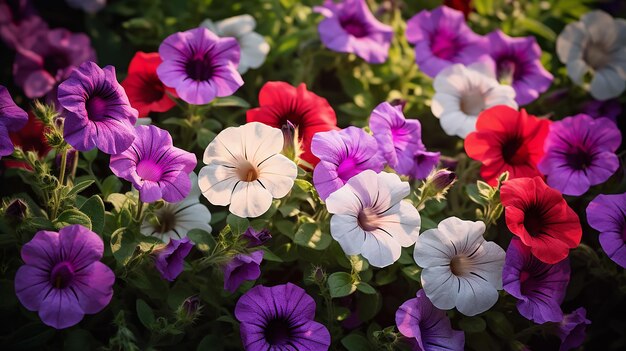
(304,185)
(90,155)
(72,216)
(365,288)
(145,314)
(204,241)
(499,325)
(123,245)
(77,188)
(285,227)
(536,27)
(118,201)
(355,342)
(341,284)
(412,272)
(231,101)
(310,235)
(237,225)
(484,189)
(472,324)
(110,185)
(204,137)
(94,209)
(270,256)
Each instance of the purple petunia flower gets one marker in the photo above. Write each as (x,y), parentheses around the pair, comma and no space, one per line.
(155,166)
(607,108)
(200,65)
(241,268)
(518,62)
(539,287)
(19,23)
(63,277)
(571,330)
(280,317)
(350,27)
(606,214)
(12,119)
(256,238)
(430,327)
(343,154)
(580,153)
(169,260)
(442,38)
(97,111)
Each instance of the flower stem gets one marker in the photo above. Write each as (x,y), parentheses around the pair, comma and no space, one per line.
(139,210)
(74,167)
(63,166)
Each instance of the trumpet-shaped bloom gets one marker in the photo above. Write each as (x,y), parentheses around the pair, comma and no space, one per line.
(12,119)
(240,268)
(170,259)
(606,214)
(571,330)
(20,26)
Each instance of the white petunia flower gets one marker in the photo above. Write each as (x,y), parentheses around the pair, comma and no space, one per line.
(254,48)
(462,93)
(595,45)
(246,170)
(370,218)
(460,268)
(174,220)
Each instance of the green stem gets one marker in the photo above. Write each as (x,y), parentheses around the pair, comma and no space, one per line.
(63,166)
(74,167)
(139,210)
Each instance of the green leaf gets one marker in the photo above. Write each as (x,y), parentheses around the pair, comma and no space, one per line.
(472,192)
(77,188)
(94,209)
(365,288)
(204,241)
(310,235)
(118,201)
(499,324)
(177,121)
(536,27)
(484,189)
(484,7)
(145,314)
(231,101)
(355,342)
(77,340)
(90,155)
(304,185)
(412,272)
(285,227)
(72,216)
(473,324)
(270,256)
(341,284)
(204,137)
(237,225)
(123,245)
(110,185)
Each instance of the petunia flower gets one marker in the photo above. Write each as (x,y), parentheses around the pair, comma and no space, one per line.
(442,38)
(281,103)
(350,27)
(430,327)
(246,170)
(507,140)
(460,268)
(175,220)
(89,6)
(256,237)
(610,109)
(571,330)
(20,25)
(157,168)
(462,93)
(280,317)
(145,91)
(62,277)
(170,259)
(30,138)
(606,214)
(541,218)
(254,48)
(343,154)
(200,65)
(596,45)
(12,119)
(370,217)
(518,63)
(240,268)
(539,287)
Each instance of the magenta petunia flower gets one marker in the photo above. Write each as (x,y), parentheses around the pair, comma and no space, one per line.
(170,260)
(343,154)
(571,330)
(350,27)
(157,168)
(518,63)
(200,65)
(241,268)
(610,109)
(280,318)
(63,277)
(442,38)
(20,26)
(607,214)
(539,287)
(12,119)
(580,153)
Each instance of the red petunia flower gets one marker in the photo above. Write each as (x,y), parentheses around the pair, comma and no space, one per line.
(145,90)
(29,138)
(464,6)
(541,218)
(507,140)
(309,113)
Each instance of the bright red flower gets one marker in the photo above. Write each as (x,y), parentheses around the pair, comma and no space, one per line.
(507,140)
(309,113)
(145,90)
(464,6)
(541,218)
(29,138)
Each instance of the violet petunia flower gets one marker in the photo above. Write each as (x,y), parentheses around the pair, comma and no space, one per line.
(157,168)
(343,154)
(428,326)
(20,26)
(607,214)
(518,63)
(350,27)
(240,268)
(256,237)
(280,318)
(610,109)
(12,119)
(539,287)
(63,277)
(580,153)
(169,260)
(442,38)
(200,65)
(571,330)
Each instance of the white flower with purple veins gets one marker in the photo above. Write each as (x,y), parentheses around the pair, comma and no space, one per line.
(254,48)
(460,268)
(370,218)
(597,46)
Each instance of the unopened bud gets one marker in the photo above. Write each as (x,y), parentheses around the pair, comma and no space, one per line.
(318,275)
(190,309)
(290,139)
(398,103)
(16,209)
(256,238)
(442,180)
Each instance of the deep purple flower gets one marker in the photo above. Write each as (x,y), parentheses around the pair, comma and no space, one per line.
(571,330)
(350,27)
(256,238)
(607,214)
(19,23)
(343,154)
(97,111)
(157,168)
(608,108)
(241,268)
(580,153)
(280,318)
(539,287)
(63,277)
(200,65)
(169,260)
(442,38)
(518,62)
(428,326)
(12,119)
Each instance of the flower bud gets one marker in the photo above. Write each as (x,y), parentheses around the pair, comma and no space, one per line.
(190,309)
(290,140)
(256,238)
(442,180)
(318,275)
(16,209)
